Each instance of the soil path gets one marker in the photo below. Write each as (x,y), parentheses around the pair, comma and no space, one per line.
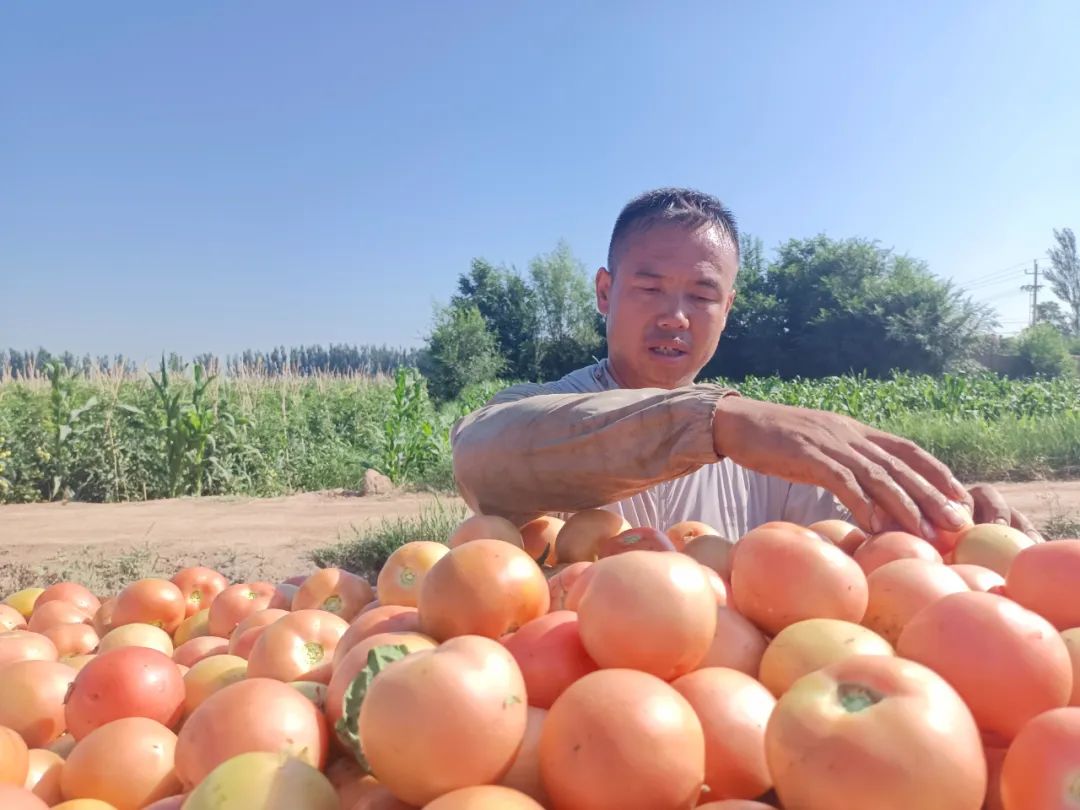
(267,538)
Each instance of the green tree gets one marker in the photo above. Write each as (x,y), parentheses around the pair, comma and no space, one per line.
(1044,351)
(568,333)
(1064,274)
(1051,312)
(460,351)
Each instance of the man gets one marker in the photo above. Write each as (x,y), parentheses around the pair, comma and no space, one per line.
(634,433)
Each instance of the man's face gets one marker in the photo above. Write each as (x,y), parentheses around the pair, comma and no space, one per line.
(666,303)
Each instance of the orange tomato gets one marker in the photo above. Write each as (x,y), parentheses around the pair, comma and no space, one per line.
(150,601)
(383,619)
(737,643)
(209,676)
(845,536)
(1071,637)
(11,619)
(401,577)
(643,539)
(72,639)
(16,797)
(1008,663)
(538,537)
(191,652)
(561,581)
(683,532)
(199,587)
(735,804)
(620,738)
(890,546)
(236,603)
(524,774)
(900,589)
(484,797)
(1046,578)
(55,613)
(174,802)
(549,652)
(353,664)
(781,575)
(483,587)
(991,545)
(194,626)
(813,644)
(32,699)
(734,710)
(712,551)
(284,593)
(43,775)
(1039,770)
(334,591)
(248,631)
(136,635)
(128,763)
(459,709)
(648,610)
(995,758)
(14,757)
(103,616)
(298,646)
(126,682)
(85,804)
(719,586)
(825,739)
(71,592)
(486,527)
(978,577)
(266,781)
(349,780)
(255,714)
(580,538)
(22,645)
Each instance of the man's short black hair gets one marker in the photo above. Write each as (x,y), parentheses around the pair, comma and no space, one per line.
(685,206)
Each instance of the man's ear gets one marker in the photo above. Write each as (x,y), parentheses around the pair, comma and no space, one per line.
(604,281)
(730,302)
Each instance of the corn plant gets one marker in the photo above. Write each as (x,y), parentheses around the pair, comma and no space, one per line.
(64,425)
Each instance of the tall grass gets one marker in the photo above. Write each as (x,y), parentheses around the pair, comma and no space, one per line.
(114,436)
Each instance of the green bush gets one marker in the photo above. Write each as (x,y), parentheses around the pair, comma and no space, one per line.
(1044,352)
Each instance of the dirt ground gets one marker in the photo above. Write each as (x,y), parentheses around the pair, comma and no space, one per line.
(268,538)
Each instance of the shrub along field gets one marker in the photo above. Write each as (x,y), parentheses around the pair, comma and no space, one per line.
(115,437)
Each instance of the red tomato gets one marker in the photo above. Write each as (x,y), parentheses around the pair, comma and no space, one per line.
(11,619)
(682,533)
(648,610)
(70,592)
(581,536)
(236,603)
(1007,663)
(825,739)
(1040,767)
(125,682)
(1071,637)
(127,763)
(641,539)
(72,639)
(539,537)
(562,581)
(845,536)
(977,577)
(191,652)
(484,797)
(734,710)
(890,546)
(524,774)
(737,644)
(383,619)
(55,613)
(991,545)
(248,631)
(486,527)
(551,656)
(619,738)
(22,645)
(43,775)
(783,575)
(16,797)
(32,699)
(14,757)
(900,589)
(813,644)
(404,571)
(150,601)
(712,551)
(299,646)
(1045,578)
(255,714)
(199,586)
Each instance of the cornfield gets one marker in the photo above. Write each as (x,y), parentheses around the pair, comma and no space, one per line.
(118,436)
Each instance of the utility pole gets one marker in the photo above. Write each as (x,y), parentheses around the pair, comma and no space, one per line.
(1033,288)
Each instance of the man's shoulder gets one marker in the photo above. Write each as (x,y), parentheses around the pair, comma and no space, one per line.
(586,380)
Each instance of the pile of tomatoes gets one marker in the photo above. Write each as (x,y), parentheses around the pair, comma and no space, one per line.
(577,665)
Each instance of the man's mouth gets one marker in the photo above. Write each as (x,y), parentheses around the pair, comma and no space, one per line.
(668,351)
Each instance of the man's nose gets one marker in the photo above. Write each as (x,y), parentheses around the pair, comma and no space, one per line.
(674,315)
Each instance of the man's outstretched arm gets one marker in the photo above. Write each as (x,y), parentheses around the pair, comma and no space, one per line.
(532,451)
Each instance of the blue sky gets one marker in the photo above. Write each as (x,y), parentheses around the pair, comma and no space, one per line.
(204,176)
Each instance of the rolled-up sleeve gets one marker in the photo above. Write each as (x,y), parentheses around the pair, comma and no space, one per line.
(532,451)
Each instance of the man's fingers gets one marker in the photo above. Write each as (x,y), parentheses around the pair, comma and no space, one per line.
(841,482)
(886,492)
(936,472)
(1020,521)
(990,507)
(935,508)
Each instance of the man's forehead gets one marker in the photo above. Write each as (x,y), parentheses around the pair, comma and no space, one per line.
(707,247)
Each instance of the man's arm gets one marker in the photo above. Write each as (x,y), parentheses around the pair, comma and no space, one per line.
(532,451)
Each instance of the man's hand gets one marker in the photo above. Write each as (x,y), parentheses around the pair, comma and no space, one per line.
(884,480)
(990,507)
